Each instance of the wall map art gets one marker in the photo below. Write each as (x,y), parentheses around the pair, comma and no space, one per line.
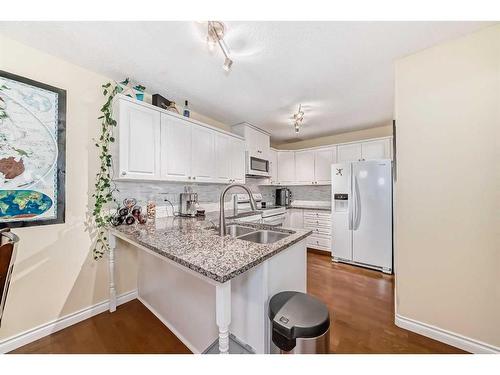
(32,152)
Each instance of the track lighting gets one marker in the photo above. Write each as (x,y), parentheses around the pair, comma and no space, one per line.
(215,35)
(298,118)
(227,64)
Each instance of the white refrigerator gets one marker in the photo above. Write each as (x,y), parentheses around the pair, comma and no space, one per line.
(362,214)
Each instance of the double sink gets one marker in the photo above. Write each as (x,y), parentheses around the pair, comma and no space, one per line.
(261,236)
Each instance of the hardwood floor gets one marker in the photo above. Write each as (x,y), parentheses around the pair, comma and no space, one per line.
(132,328)
(361,304)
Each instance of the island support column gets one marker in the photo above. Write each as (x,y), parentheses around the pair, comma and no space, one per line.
(223,314)
(111,271)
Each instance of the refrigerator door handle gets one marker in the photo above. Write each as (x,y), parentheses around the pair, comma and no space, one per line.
(357,199)
(350,203)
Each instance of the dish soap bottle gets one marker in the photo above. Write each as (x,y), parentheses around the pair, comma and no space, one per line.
(186,111)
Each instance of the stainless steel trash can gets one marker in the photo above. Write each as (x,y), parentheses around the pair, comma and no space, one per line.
(8,249)
(300,323)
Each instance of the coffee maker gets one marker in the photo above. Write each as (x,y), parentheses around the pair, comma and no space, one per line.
(188,204)
(283,197)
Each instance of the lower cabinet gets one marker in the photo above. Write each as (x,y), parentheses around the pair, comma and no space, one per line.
(317,221)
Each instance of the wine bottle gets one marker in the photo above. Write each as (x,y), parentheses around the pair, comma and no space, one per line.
(186,111)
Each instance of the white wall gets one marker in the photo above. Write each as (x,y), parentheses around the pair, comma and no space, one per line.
(54,274)
(448,188)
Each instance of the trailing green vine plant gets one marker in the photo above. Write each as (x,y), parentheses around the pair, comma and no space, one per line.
(104,186)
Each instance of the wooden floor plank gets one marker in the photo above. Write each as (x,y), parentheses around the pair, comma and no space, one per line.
(361,303)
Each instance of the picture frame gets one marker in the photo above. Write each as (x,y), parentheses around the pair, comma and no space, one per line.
(35,187)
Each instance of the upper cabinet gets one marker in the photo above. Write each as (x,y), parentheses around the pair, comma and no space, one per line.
(154,144)
(286,167)
(313,166)
(376,149)
(273,166)
(257,142)
(366,150)
(176,149)
(304,167)
(348,152)
(323,160)
(138,127)
(203,165)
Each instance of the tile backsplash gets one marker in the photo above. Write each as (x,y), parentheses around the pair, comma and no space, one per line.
(145,191)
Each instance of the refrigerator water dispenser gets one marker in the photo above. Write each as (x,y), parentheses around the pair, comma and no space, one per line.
(341,202)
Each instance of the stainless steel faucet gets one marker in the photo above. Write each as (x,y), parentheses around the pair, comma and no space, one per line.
(222,217)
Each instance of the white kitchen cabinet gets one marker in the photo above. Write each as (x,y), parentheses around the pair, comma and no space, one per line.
(286,167)
(139,142)
(175,149)
(237,160)
(154,144)
(376,149)
(319,222)
(323,160)
(223,155)
(273,166)
(296,217)
(348,152)
(365,150)
(257,142)
(304,167)
(202,154)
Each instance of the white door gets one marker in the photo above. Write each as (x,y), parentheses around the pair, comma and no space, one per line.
(223,156)
(286,170)
(372,213)
(175,148)
(378,149)
(304,167)
(349,152)
(341,211)
(237,160)
(139,142)
(203,154)
(273,166)
(323,160)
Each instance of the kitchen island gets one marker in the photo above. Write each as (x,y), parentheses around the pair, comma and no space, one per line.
(204,287)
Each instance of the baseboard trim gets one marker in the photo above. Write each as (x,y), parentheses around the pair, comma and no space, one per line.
(170,327)
(14,342)
(451,338)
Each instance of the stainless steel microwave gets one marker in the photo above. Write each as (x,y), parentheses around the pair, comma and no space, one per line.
(257,166)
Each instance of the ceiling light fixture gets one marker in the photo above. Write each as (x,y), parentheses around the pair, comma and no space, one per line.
(215,35)
(298,118)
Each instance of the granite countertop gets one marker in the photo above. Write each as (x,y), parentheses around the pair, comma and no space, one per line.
(306,207)
(193,243)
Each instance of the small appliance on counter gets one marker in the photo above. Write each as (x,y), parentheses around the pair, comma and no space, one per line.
(283,197)
(188,203)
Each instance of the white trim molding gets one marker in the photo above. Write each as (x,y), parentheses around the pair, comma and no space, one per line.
(14,342)
(451,338)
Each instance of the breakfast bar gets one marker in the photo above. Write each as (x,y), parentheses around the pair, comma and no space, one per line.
(218,285)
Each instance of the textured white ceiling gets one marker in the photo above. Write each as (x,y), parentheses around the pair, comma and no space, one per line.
(341,72)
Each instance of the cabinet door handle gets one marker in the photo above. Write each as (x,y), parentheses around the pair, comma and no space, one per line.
(194,178)
(189,177)
(124,173)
